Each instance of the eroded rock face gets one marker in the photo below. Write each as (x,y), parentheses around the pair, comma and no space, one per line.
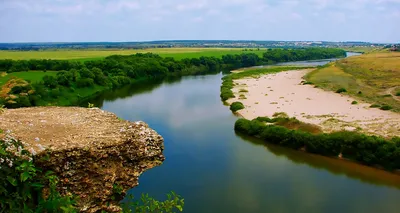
(92,151)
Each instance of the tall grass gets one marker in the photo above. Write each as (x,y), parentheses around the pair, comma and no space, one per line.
(363,77)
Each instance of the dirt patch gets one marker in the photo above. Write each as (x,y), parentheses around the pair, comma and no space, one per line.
(91,150)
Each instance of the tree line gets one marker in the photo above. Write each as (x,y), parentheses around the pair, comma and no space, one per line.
(117,71)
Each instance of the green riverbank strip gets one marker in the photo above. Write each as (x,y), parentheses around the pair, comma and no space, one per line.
(368,150)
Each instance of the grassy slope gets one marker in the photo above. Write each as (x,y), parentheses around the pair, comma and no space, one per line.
(69,97)
(83,55)
(374,74)
(363,49)
(32,76)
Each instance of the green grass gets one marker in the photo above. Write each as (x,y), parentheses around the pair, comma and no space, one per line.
(374,74)
(87,54)
(32,76)
(362,49)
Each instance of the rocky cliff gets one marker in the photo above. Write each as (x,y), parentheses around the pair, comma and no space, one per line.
(93,152)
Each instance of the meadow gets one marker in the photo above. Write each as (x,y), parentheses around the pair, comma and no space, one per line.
(93,54)
(31,76)
(373,77)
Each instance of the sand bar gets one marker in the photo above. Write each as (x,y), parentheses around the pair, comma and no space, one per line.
(283,92)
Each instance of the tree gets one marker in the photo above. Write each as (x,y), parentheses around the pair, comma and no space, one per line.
(99,77)
(65,78)
(50,81)
(86,73)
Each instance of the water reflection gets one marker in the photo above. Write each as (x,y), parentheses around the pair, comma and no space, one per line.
(341,167)
(139,87)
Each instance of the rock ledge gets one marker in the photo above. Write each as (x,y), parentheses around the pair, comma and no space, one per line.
(91,150)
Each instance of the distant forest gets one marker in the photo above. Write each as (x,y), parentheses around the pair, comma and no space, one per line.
(117,71)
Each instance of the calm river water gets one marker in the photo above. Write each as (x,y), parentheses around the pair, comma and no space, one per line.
(216,170)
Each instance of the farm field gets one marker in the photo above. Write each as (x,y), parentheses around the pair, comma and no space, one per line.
(32,76)
(373,77)
(83,55)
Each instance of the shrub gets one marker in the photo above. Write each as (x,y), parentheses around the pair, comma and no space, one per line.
(85,82)
(227,85)
(274,134)
(242,125)
(255,127)
(24,101)
(149,204)
(354,102)
(398,93)
(243,90)
(375,106)
(341,90)
(386,107)
(50,81)
(235,106)
(20,89)
(23,183)
(226,94)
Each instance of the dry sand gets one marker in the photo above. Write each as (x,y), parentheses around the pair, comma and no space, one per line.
(283,92)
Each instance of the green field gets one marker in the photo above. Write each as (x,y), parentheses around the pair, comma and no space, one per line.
(83,55)
(32,76)
(372,77)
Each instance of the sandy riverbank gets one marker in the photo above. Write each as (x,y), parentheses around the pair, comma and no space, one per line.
(282,92)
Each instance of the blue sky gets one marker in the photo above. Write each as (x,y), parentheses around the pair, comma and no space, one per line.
(145,20)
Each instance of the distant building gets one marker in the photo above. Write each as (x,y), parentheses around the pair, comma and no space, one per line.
(395,48)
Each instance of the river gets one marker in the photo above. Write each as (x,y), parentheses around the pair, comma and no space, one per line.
(216,170)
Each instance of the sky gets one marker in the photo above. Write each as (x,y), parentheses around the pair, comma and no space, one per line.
(147,20)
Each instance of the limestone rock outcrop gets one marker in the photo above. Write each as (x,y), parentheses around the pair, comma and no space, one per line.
(93,152)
